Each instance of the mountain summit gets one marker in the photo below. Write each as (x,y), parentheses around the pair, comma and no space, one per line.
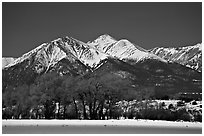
(122,49)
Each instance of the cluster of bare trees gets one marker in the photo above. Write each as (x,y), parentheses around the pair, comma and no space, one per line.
(65,97)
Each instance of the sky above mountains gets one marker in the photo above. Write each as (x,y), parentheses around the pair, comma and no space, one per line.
(27,25)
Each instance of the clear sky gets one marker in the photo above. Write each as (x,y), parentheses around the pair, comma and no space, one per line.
(27,25)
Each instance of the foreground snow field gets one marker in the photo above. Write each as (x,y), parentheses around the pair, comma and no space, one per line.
(126,122)
(99,126)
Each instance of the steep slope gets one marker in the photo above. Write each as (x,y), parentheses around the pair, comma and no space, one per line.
(190,56)
(6,61)
(122,49)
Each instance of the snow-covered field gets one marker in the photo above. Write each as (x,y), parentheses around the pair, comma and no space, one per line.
(99,126)
(126,122)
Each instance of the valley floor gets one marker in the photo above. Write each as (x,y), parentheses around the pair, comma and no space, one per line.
(99,127)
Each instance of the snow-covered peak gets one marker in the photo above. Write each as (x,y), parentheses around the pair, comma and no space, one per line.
(102,42)
(105,37)
(122,49)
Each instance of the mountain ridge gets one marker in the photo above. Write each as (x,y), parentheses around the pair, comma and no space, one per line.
(88,53)
(189,56)
(91,53)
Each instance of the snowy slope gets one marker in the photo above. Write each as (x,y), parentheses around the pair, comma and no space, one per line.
(86,54)
(41,58)
(6,61)
(25,56)
(122,49)
(190,56)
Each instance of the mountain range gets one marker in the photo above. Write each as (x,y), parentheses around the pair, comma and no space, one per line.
(166,70)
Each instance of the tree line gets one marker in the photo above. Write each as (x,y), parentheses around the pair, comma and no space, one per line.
(66,97)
